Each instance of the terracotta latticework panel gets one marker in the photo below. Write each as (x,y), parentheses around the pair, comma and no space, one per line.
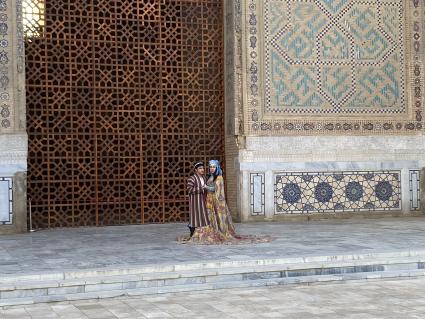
(122,98)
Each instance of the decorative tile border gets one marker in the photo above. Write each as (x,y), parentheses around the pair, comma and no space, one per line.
(257,188)
(6,201)
(238,67)
(415,189)
(5,109)
(347,191)
(20,37)
(259,121)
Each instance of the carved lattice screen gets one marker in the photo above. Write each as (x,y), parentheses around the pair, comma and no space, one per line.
(122,97)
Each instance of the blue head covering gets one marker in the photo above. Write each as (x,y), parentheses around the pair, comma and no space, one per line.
(218,170)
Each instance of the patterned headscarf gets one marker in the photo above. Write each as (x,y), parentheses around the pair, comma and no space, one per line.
(218,170)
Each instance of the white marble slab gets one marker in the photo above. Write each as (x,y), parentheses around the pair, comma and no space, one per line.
(257,194)
(4,201)
(322,166)
(333,148)
(13,152)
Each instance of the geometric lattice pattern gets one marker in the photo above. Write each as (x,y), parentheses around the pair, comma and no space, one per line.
(341,57)
(122,98)
(321,192)
(335,66)
(33,17)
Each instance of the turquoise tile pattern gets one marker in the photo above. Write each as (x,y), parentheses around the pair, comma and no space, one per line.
(334,66)
(334,56)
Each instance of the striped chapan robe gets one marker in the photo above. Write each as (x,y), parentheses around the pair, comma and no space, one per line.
(197,211)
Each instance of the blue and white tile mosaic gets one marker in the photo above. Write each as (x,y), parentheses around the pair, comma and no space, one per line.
(356,63)
(321,192)
(332,56)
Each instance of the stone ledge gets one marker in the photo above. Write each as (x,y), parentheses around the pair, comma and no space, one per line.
(219,267)
(77,294)
(214,275)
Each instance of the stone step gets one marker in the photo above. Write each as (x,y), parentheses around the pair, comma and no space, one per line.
(305,280)
(103,283)
(22,282)
(309,262)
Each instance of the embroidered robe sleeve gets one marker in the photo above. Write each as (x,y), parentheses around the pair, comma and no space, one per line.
(219,189)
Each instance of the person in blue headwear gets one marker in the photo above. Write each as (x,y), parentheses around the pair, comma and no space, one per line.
(220,229)
(218,212)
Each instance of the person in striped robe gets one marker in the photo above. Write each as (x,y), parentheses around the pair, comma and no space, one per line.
(198,216)
(204,218)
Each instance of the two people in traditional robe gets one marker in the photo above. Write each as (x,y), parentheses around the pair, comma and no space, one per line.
(210,219)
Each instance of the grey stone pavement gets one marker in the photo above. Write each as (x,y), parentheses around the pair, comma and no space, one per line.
(139,245)
(351,300)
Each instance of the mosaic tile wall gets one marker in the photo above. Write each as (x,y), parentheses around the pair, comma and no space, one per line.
(336,66)
(321,192)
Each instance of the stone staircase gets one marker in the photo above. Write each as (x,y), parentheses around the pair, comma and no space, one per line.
(156,279)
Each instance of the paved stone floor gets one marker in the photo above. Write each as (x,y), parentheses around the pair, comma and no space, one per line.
(351,300)
(121,246)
